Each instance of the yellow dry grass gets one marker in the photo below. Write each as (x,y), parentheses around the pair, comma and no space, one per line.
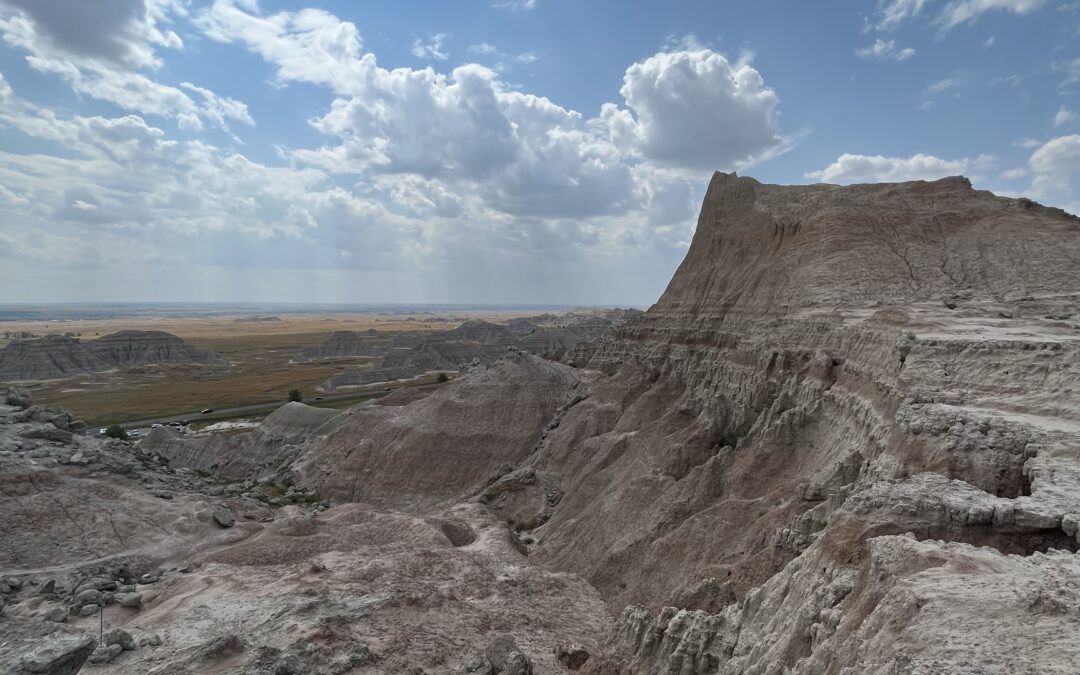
(259,352)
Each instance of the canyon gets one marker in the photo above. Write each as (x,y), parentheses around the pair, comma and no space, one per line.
(846,439)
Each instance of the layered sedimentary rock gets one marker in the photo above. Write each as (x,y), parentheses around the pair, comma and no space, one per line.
(56,356)
(436,450)
(345,344)
(404,356)
(845,440)
(843,394)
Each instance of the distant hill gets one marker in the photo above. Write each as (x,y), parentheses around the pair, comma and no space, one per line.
(406,355)
(55,356)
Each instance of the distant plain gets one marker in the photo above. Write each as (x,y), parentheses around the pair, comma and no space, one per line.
(260,353)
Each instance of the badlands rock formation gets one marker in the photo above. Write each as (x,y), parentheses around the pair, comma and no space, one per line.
(846,440)
(55,356)
(191,573)
(257,454)
(849,424)
(406,355)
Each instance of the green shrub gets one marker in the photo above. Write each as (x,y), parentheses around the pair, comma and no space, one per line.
(116,431)
(443,377)
(295,396)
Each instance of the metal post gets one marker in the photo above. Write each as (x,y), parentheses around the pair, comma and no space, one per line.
(101,626)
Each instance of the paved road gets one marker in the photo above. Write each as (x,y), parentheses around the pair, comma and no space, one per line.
(220,414)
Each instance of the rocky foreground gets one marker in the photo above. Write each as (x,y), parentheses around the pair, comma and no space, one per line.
(846,440)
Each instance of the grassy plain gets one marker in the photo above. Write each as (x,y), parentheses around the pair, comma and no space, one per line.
(259,352)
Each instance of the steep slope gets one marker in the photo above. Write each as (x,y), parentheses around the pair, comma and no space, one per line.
(189,574)
(829,369)
(55,357)
(47,358)
(435,450)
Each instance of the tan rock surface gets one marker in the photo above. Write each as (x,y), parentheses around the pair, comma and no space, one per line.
(845,440)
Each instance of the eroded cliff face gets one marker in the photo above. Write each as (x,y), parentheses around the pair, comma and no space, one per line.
(842,393)
(846,440)
(825,360)
(55,356)
(440,449)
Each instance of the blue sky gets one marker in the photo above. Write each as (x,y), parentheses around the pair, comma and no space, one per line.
(510,151)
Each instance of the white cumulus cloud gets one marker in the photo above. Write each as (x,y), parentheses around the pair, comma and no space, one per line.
(851,168)
(695,109)
(108,51)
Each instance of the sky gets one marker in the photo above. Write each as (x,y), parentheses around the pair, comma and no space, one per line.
(499,151)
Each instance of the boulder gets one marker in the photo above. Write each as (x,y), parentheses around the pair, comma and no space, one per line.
(48,434)
(105,654)
(133,600)
(56,615)
(90,596)
(119,636)
(89,610)
(58,416)
(223,517)
(19,396)
(58,654)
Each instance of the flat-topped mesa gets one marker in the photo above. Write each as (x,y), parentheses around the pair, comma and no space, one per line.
(767,249)
(55,356)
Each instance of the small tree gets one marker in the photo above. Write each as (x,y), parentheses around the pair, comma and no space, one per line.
(294,395)
(116,431)
(443,377)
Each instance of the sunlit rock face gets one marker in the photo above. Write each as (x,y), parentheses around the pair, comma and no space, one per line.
(845,440)
(839,384)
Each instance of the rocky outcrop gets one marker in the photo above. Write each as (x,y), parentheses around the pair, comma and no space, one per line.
(58,654)
(193,575)
(55,356)
(843,441)
(404,356)
(345,344)
(257,454)
(830,369)
(19,397)
(440,448)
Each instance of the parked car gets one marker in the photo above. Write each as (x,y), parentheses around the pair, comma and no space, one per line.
(156,425)
(175,424)
(101,431)
(318,398)
(134,433)
(207,411)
